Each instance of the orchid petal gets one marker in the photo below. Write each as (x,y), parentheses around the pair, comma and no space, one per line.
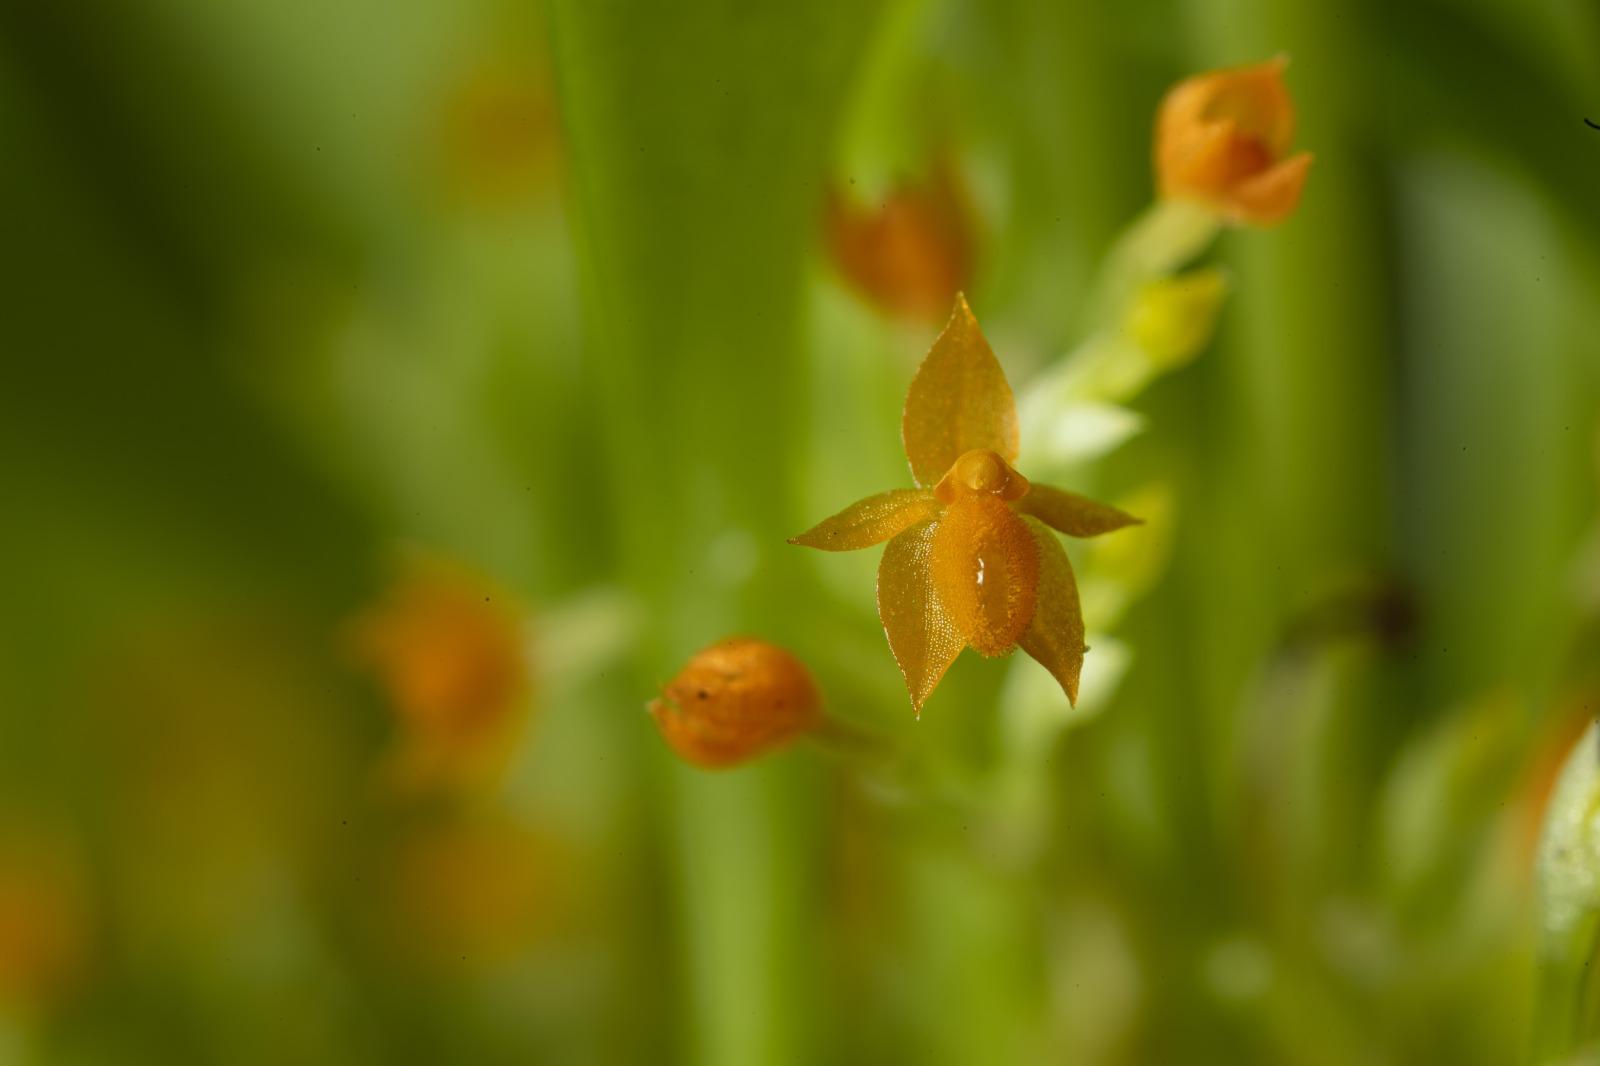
(1055,635)
(1074,515)
(924,640)
(870,521)
(958,401)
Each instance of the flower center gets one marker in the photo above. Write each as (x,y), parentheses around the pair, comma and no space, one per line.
(981,472)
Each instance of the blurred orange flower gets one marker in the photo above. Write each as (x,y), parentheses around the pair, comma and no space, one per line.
(971,561)
(448,647)
(911,254)
(1223,138)
(735,700)
(467,891)
(499,132)
(44,919)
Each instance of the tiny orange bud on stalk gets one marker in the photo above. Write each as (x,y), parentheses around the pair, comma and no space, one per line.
(734,700)
(1222,138)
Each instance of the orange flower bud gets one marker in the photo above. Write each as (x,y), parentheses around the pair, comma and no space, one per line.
(1222,138)
(913,253)
(734,700)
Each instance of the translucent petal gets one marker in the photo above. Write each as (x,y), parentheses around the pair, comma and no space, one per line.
(870,521)
(958,401)
(986,571)
(1055,636)
(1074,515)
(924,640)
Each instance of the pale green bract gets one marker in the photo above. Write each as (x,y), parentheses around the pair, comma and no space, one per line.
(1569,850)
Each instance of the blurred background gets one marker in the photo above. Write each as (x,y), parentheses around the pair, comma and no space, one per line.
(392,397)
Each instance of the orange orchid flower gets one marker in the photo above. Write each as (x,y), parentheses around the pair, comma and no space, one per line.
(971,561)
(1222,138)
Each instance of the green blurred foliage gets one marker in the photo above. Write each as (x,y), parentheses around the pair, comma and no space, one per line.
(296,290)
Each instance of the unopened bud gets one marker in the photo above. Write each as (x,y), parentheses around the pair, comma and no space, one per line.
(1222,139)
(735,700)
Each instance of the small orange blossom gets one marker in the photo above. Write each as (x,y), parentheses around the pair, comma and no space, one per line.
(1222,138)
(971,561)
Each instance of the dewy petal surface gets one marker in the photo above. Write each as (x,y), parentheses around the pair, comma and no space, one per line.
(871,521)
(924,640)
(986,572)
(958,401)
(1074,515)
(1055,636)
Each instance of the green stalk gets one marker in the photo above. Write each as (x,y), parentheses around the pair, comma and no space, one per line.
(1165,236)
(1292,489)
(697,138)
